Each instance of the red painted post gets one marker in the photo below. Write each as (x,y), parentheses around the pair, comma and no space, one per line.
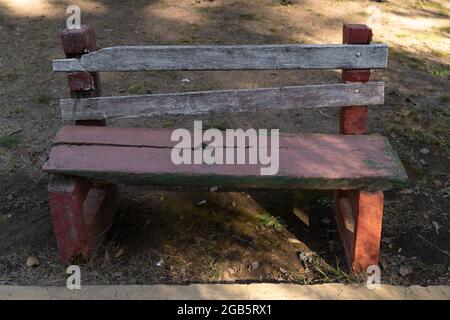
(75,43)
(353,119)
(82,211)
(66,198)
(367,234)
(365,209)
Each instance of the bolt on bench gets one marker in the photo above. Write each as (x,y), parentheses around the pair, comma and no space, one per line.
(88,159)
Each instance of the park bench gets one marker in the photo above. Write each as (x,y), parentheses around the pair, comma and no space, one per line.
(88,159)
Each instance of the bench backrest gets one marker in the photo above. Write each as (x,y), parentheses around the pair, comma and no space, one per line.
(357,59)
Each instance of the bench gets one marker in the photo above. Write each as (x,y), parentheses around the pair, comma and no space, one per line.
(88,159)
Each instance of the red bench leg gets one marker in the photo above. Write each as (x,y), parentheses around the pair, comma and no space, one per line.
(81,213)
(359,217)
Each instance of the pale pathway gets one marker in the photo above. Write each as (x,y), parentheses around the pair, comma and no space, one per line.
(227,291)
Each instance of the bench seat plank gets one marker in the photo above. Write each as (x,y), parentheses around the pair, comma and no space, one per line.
(228,57)
(143,156)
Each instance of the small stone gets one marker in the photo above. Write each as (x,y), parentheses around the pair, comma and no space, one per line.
(32,261)
(213,189)
(185,80)
(160,263)
(405,270)
(233,204)
(424,151)
(200,203)
(325,220)
(305,256)
(284,271)
(255,265)
(437,182)
(387,240)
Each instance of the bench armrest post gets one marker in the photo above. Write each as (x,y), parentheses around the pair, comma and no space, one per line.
(353,119)
(77,42)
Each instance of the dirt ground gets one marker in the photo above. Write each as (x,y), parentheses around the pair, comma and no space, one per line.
(165,236)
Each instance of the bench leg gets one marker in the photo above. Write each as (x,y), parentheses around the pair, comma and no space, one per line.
(359,216)
(82,212)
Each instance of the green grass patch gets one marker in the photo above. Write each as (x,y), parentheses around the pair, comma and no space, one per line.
(270,221)
(445,99)
(9,142)
(445,29)
(439,71)
(42,98)
(248,16)
(436,6)
(135,89)
(403,57)
(286,2)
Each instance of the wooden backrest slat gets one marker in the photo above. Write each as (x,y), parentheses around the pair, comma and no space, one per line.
(225,101)
(228,57)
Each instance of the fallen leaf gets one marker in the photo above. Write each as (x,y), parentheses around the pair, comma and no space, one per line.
(283,270)
(255,265)
(119,253)
(436,226)
(293,240)
(106,260)
(405,270)
(302,215)
(32,261)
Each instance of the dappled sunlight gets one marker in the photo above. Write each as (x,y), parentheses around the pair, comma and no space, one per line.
(173,13)
(48,8)
(32,8)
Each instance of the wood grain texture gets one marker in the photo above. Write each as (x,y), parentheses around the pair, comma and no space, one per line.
(316,161)
(228,57)
(245,100)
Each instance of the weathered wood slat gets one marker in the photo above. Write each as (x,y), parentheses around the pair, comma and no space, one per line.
(245,100)
(228,57)
(317,161)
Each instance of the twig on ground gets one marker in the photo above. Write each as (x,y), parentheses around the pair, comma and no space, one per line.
(323,113)
(15,131)
(434,246)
